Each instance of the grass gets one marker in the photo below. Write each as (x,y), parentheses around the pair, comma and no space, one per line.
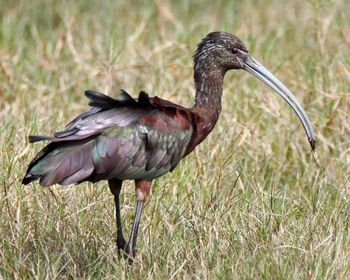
(249,203)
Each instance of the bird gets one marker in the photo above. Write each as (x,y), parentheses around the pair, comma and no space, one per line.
(143,138)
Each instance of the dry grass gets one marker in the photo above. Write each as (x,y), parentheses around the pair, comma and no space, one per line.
(249,203)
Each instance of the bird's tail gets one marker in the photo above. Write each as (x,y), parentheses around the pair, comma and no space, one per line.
(63,163)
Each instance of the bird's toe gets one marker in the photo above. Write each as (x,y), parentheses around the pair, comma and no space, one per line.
(129,253)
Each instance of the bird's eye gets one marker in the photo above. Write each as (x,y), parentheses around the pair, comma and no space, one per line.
(235,51)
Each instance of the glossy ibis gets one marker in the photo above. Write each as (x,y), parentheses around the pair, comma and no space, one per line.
(144,138)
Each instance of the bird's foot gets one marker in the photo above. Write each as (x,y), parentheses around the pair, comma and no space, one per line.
(129,253)
(121,243)
(125,249)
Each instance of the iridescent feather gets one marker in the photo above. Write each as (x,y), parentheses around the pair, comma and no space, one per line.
(120,138)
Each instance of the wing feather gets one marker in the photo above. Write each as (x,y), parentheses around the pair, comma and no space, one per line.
(119,138)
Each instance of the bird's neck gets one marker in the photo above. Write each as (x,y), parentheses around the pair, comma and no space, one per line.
(209,86)
(207,107)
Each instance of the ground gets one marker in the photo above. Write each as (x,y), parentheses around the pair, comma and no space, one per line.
(250,203)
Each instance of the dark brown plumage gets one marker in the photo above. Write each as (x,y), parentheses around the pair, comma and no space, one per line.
(144,138)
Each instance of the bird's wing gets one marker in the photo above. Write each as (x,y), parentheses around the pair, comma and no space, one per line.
(105,112)
(118,138)
(147,149)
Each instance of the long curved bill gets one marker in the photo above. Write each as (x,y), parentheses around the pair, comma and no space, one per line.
(259,71)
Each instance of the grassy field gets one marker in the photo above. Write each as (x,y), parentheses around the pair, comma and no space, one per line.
(249,203)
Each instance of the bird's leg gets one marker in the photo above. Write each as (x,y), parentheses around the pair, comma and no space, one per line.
(142,191)
(115,187)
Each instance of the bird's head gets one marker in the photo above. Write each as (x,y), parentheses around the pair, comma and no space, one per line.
(222,51)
